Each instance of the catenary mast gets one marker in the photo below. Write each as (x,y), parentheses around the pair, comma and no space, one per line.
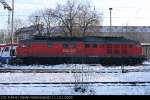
(10,9)
(6,6)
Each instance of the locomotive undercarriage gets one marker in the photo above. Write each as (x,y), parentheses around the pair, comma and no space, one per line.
(80,60)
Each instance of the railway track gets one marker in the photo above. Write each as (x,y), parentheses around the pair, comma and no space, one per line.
(81,83)
(70,70)
(90,69)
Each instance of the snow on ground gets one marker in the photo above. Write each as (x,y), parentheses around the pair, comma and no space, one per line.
(76,66)
(70,77)
(68,89)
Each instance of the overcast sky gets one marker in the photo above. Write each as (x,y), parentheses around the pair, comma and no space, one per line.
(125,12)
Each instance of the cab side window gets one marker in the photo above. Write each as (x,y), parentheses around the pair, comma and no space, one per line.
(12,52)
(73,45)
(87,45)
(95,45)
(6,49)
(50,45)
(65,46)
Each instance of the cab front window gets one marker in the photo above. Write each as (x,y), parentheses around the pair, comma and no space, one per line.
(6,49)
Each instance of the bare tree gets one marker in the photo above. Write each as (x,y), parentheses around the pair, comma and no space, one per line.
(45,18)
(3,36)
(49,20)
(71,18)
(36,20)
(19,23)
(75,16)
(67,14)
(88,18)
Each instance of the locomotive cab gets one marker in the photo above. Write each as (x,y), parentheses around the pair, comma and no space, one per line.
(8,52)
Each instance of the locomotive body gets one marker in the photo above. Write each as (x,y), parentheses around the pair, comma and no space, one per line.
(80,50)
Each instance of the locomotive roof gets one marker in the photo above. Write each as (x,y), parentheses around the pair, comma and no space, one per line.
(94,39)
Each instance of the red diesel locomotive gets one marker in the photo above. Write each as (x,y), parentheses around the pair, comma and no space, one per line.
(80,50)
